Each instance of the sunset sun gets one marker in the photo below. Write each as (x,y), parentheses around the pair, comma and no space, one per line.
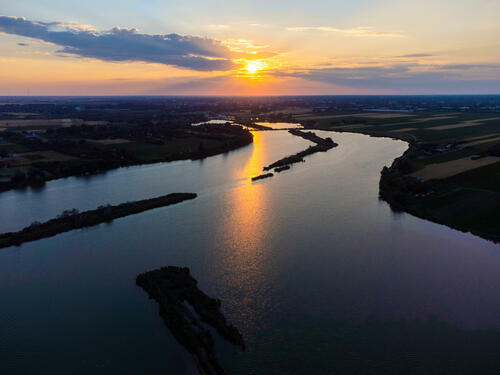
(253,67)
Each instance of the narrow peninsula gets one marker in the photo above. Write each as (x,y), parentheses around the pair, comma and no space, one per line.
(184,307)
(72,219)
(322,145)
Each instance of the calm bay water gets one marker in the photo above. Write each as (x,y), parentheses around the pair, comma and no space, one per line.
(287,256)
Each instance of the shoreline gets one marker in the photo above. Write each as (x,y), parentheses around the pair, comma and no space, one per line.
(100,167)
(397,188)
(72,219)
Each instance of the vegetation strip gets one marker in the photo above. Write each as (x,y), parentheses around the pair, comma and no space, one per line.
(322,145)
(72,219)
(262,176)
(281,169)
(178,295)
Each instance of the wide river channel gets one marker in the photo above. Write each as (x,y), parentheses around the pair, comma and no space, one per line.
(295,259)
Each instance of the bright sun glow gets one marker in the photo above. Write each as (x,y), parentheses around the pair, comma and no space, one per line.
(253,67)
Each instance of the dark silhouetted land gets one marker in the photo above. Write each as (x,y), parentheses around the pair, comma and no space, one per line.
(184,307)
(322,145)
(72,219)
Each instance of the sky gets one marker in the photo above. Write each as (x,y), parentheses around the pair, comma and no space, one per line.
(257,47)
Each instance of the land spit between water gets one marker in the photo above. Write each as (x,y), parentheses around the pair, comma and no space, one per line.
(184,308)
(72,219)
(321,145)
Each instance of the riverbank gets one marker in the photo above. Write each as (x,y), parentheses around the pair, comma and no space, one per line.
(183,308)
(457,201)
(446,176)
(72,219)
(477,213)
(31,162)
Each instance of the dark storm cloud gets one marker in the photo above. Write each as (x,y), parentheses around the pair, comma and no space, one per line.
(117,44)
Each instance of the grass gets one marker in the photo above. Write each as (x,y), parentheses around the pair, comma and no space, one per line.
(147,152)
(354,115)
(421,125)
(27,124)
(453,167)
(28,158)
(442,158)
(484,178)
(467,209)
(12,147)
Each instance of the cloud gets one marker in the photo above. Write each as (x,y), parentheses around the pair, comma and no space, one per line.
(246,49)
(122,44)
(403,78)
(411,55)
(358,31)
(219,26)
(467,66)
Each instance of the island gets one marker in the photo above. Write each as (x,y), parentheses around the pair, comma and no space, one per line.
(262,176)
(185,308)
(322,145)
(73,219)
(281,169)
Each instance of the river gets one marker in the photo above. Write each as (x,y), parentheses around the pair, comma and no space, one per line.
(289,257)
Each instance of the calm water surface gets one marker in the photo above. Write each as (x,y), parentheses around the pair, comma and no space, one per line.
(312,244)
(280,125)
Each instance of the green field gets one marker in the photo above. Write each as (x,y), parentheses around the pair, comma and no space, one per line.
(147,152)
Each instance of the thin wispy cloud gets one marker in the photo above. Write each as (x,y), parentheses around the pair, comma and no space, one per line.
(123,44)
(246,49)
(357,31)
(399,78)
(219,26)
(415,55)
(467,66)
(260,25)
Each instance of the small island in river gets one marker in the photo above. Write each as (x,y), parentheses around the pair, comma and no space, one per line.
(322,145)
(184,307)
(281,169)
(72,219)
(262,176)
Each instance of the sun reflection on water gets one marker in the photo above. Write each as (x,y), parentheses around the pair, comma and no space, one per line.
(245,234)
(254,165)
